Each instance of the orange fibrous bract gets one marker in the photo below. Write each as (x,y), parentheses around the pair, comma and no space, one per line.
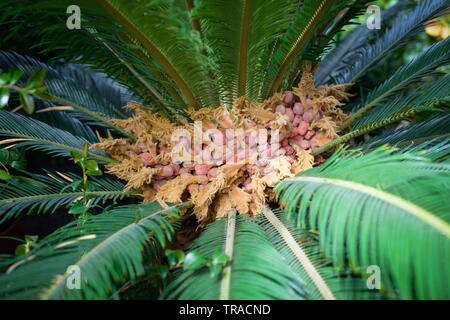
(238,154)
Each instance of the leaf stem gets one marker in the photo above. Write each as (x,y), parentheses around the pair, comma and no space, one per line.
(230,229)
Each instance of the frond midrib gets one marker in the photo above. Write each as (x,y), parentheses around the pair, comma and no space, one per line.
(65,195)
(230,230)
(300,254)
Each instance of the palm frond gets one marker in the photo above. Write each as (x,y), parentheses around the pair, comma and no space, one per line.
(33,134)
(383,209)
(62,120)
(42,194)
(241,36)
(302,252)
(436,56)
(412,134)
(307,21)
(337,58)
(160,32)
(257,270)
(99,43)
(404,27)
(69,91)
(107,249)
(420,99)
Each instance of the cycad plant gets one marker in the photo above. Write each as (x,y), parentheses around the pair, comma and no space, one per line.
(330,214)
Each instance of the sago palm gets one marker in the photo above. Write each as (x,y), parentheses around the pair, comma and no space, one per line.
(329,216)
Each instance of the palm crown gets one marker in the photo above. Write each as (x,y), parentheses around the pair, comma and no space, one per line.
(380,202)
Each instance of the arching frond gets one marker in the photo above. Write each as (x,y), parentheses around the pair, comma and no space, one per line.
(404,27)
(338,58)
(420,99)
(436,56)
(34,134)
(68,91)
(256,271)
(107,249)
(302,252)
(309,18)
(42,194)
(383,209)
(412,134)
(241,36)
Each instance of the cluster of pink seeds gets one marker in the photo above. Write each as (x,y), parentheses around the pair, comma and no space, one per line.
(257,146)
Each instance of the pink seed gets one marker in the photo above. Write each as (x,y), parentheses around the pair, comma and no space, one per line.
(267,170)
(250,140)
(309,134)
(289,150)
(288,97)
(308,116)
(298,108)
(217,155)
(290,114)
(147,158)
(294,132)
(308,103)
(317,117)
(167,171)
(303,127)
(261,163)
(297,120)
(305,144)
(176,169)
(280,109)
(229,134)
(262,137)
(201,169)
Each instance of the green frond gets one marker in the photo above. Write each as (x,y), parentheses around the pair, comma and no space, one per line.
(38,135)
(421,98)
(436,56)
(42,194)
(68,91)
(107,249)
(404,27)
(64,121)
(342,54)
(297,37)
(302,252)
(434,149)
(256,271)
(412,134)
(383,209)
(160,32)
